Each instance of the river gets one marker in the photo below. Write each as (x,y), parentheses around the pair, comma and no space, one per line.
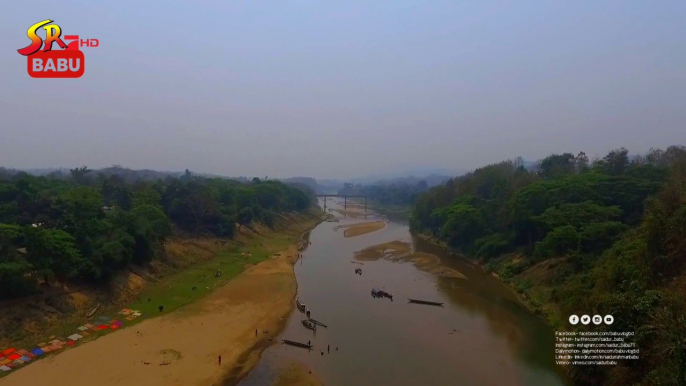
(483,336)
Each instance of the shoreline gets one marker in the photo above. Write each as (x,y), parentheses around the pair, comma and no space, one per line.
(520,296)
(523,299)
(182,347)
(251,356)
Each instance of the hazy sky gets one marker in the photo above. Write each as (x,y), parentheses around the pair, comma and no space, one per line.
(344,88)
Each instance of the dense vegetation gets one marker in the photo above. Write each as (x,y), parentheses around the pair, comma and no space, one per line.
(86,226)
(401,194)
(604,237)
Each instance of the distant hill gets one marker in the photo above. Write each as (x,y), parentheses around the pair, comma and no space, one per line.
(431,180)
(430,175)
(421,173)
(306,181)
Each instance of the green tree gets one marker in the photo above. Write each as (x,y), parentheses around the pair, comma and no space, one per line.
(577,214)
(79,174)
(615,162)
(559,241)
(245,217)
(556,165)
(147,196)
(462,224)
(52,253)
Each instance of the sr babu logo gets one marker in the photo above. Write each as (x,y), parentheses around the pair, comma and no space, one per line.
(68,62)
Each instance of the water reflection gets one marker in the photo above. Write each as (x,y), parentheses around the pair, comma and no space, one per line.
(483,336)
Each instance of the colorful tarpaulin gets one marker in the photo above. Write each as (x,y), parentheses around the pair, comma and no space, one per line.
(37,351)
(24,353)
(12,358)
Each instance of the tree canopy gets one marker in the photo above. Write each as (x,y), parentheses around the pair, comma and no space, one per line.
(615,227)
(85,226)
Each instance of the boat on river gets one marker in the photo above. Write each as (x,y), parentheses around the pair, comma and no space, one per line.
(93,311)
(377,293)
(429,303)
(385,294)
(318,323)
(301,306)
(309,324)
(297,344)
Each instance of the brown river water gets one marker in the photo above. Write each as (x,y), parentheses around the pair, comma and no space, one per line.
(482,336)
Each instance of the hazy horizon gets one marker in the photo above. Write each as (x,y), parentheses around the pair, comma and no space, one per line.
(344,90)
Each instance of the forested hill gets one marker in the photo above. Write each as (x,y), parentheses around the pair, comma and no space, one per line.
(401,194)
(605,237)
(87,226)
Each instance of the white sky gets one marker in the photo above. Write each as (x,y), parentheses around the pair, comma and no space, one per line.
(343,89)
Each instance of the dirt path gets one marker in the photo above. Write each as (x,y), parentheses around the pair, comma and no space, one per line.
(182,348)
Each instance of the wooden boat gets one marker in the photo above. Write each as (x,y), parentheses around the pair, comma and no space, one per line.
(307,313)
(386,294)
(93,311)
(301,306)
(376,293)
(309,325)
(318,323)
(297,344)
(425,302)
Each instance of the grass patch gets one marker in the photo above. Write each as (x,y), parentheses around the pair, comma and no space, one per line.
(177,289)
(196,262)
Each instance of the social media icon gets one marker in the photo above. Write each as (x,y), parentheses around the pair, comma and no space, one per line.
(573,319)
(597,319)
(609,319)
(585,319)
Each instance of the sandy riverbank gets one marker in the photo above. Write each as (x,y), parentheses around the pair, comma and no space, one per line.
(401,251)
(182,348)
(358,229)
(354,213)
